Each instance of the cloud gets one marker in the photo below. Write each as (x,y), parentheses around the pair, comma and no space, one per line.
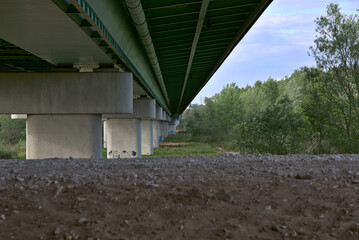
(276,45)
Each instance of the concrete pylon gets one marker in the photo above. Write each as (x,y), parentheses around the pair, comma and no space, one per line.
(155,134)
(104,133)
(123,138)
(157,138)
(172,126)
(64,109)
(76,136)
(131,134)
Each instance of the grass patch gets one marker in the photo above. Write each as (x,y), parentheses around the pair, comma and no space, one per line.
(187,148)
(194,149)
(16,151)
(104,152)
(180,137)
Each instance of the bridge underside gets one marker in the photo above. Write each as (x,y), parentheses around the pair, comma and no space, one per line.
(68,65)
(191,39)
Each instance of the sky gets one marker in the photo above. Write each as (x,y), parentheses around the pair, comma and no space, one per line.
(276,45)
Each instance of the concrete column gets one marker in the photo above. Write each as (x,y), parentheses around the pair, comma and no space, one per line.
(130,137)
(165,129)
(105,134)
(155,134)
(147,137)
(63,136)
(123,138)
(172,127)
(64,109)
(159,113)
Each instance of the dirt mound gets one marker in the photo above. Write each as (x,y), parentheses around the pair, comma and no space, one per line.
(226,197)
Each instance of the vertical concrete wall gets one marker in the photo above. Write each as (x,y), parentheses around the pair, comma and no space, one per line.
(155,134)
(172,129)
(123,138)
(147,137)
(105,133)
(165,129)
(63,136)
(66,93)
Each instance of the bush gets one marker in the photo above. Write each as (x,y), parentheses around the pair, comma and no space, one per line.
(7,152)
(12,131)
(277,130)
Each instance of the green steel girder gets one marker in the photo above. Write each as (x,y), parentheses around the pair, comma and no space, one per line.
(110,20)
(15,59)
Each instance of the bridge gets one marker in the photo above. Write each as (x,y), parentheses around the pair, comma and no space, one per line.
(70,64)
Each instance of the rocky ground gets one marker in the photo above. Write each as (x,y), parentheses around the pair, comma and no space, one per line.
(225,197)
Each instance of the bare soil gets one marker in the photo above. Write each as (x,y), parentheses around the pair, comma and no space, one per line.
(224,197)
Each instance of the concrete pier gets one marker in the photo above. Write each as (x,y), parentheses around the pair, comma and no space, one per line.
(155,134)
(64,109)
(104,133)
(147,137)
(135,133)
(123,138)
(157,128)
(63,136)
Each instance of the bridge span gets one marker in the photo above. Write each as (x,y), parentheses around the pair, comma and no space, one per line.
(70,65)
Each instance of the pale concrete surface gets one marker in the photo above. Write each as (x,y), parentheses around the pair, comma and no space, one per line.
(172,129)
(160,132)
(146,137)
(105,133)
(18,116)
(159,113)
(63,136)
(66,93)
(155,134)
(143,108)
(165,129)
(123,138)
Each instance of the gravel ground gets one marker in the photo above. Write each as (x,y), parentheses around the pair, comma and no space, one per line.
(224,197)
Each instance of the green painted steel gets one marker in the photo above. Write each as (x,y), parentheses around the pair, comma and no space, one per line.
(190,44)
(111,21)
(15,59)
(173,26)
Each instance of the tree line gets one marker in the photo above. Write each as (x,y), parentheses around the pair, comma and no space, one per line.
(315,110)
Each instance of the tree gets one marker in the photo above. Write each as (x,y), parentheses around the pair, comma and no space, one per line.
(277,130)
(336,51)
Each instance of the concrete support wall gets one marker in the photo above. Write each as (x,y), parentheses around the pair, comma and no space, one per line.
(172,128)
(155,134)
(165,129)
(123,138)
(147,137)
(144,110)
(66,93)
(64,109)
(63,136)
(104,133)
(160,135)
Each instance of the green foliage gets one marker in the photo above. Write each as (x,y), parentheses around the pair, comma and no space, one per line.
(179,137)
(6,152)
(315,110)
(336,51)
(277,130)
(12,137)
(16,151)
(12,131)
